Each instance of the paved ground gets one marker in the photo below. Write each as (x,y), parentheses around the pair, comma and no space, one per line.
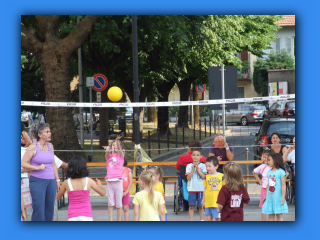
(252,212)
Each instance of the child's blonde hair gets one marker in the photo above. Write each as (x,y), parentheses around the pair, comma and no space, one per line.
(233,176)
(157,170)
(115,142)
(148,178)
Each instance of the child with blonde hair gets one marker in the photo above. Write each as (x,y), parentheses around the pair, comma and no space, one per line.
(148,204)
(263,169)
(114,167)
(158,173)
(233,196)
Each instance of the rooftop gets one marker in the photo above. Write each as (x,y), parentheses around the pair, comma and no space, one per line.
(288,20)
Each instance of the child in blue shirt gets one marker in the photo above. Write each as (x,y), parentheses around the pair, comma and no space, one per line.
(195,173)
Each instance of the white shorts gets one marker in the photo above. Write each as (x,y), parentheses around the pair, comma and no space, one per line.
(80,218)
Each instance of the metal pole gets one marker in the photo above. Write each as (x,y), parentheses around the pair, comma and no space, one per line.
(183,134)
(210,124)
(63,202)
(159,140)
(135,80)
(247,166)
(194,129)
(80,94)
(91,125)
(149,143)
(168,130)
(205,127)
(223,105)
(176,136)
(200,129)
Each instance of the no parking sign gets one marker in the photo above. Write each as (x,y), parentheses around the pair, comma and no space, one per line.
(100,82)
(201,88)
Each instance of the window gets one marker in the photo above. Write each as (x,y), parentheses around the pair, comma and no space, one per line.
(294,46)
(288,45)
(240,92)
(283,128)
(277,44)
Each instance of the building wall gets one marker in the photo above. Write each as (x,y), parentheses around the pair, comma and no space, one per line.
(283,34)
(248,89)
(282,76)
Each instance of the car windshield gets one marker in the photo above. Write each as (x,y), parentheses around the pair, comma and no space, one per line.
(283,128)
(291,104)
(259,108)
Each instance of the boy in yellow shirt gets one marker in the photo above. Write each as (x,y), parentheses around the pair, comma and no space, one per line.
(213,182)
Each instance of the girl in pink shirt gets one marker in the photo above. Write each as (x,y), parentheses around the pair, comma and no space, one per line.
(127,183)
(78,186)
(115,161)
(263,170)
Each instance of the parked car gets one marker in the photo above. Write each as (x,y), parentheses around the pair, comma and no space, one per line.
(285,126)
(128,116)
(245,114)
(282,108)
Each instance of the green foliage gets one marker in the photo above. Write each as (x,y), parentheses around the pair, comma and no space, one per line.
(173,111)
(275,60)
(204,110)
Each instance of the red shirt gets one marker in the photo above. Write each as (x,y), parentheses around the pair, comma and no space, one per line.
(186,159)
(232,203)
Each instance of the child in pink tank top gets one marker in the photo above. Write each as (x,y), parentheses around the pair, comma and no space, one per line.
(78,186)
(127,183)
(115,158)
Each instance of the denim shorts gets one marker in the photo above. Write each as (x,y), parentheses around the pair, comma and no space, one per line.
(212,211)
(194,197)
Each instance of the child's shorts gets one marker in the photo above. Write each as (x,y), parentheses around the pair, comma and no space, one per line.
(115,193)
(126,199)
(263,193)
(194,197)
(294,167)
(212,211)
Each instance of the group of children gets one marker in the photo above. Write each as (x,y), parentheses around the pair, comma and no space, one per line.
(219,196)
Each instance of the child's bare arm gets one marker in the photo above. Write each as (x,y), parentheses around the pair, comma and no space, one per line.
(97,187)
(136,212)
(189,176)
(219,208)
(62,190)
(162,212)
(283,188)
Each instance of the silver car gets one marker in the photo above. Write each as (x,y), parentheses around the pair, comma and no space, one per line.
(246,113)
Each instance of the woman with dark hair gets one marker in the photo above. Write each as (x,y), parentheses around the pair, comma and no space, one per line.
(78,186)
(25,139)
(44,179)
(276,145)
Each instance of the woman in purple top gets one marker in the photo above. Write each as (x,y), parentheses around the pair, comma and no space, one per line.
(44,180)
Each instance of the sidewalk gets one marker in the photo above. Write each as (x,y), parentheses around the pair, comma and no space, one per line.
(252,212)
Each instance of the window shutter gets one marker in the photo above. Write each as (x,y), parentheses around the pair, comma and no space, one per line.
(277,44)
(288,45)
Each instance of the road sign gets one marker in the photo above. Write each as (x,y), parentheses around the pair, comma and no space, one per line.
(201,88)
(90,81)
(100,82)
(98,96)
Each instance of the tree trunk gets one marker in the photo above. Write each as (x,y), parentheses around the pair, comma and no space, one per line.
(152,111)
(141,111)
(163,116)
(57,88)
(196,108)
(54,56)
(184,88)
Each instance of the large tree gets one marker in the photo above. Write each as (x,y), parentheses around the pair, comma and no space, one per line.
(42,38)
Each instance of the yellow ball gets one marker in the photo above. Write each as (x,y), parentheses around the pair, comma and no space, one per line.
(115,94)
